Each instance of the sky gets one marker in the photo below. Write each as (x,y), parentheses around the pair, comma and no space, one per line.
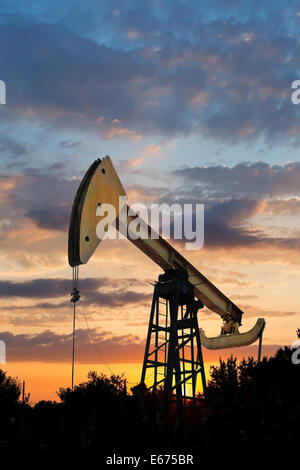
(192,101)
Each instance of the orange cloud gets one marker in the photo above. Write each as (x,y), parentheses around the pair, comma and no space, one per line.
(115,131)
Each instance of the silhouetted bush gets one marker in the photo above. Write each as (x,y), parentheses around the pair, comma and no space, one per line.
(95,391)
(254,405)
(10,389)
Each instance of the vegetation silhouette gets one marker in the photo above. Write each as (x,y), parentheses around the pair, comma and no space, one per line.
(10,389)
(253,406)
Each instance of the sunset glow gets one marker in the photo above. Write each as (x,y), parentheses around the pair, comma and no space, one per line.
(191,109)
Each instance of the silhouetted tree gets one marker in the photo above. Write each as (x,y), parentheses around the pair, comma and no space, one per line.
(92,409)
(95,389)
(10,388)
(255,405)
(224,379)
(274,378)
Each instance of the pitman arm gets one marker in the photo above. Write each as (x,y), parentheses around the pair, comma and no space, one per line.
(100,185)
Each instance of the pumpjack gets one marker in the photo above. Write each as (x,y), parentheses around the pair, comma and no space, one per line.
(173,352)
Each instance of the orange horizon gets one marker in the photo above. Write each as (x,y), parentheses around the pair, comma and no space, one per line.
(43,380)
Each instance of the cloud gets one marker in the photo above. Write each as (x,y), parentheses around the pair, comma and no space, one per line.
(183,73)
(117,131)
(215,70)
(220,234)
(283,207)
(48,346)
(233,197)
(38,196)
(51,218)
(68,143)
(24,303)
(227,225)
(253,180)
(11,148)
(44,288)
(55,288)
(253,311)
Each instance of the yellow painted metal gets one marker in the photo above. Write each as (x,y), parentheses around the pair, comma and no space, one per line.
(104,187)
(234,340)
(167,257)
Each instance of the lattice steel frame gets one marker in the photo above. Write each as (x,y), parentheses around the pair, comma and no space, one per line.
(173,336)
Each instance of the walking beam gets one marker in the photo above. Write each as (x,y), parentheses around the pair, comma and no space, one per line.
(101,185)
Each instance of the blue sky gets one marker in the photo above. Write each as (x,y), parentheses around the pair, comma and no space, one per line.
(211,80)
(192,101)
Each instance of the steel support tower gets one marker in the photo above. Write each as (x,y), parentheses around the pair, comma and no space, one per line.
(173,355)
